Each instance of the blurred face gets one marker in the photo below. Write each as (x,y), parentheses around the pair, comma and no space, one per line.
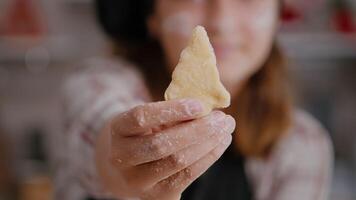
(241,32)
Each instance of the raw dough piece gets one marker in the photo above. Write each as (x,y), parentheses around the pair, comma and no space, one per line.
(196,75)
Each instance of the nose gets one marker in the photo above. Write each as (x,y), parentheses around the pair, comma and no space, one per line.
(220,18)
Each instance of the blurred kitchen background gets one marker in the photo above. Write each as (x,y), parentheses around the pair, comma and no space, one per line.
(42,40)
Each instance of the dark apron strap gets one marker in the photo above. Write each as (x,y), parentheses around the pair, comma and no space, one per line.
(225,180)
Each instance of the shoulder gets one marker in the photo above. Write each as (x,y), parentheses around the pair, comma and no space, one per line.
(305,131)
(104,74)
(299,165)
(97,85)
(305,147)
(103,68)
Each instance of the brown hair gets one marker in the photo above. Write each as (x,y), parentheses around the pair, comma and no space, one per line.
(264,108)
(264,104)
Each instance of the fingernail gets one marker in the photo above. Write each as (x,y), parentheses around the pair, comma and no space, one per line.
(230,124)
(218,116)
(193,106)
(217,120)
(227,141)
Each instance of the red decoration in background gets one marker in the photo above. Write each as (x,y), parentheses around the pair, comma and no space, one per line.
(343,21)
(22,19)
(341,18)
(290,13)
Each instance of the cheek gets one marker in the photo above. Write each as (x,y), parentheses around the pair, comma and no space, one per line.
(265,24)
(179,24)
(175,33)
(256,39)
(261,35)
(265,21)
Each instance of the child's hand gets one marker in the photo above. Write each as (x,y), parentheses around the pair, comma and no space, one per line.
(154,151)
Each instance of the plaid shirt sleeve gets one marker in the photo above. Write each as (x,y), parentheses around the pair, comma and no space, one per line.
(92,96)
(299,167)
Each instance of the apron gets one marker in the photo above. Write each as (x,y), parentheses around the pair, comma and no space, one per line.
(224,180)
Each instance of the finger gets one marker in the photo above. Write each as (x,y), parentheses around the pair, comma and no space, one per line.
(143,118)
(140,150)
(181,180)
(154,172)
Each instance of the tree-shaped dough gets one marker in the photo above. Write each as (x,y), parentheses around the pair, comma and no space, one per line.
(196,75)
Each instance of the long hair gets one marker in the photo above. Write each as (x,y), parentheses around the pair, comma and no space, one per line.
(264,107)
(264,104)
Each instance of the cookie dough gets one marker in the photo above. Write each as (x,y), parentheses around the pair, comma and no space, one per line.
(196,75)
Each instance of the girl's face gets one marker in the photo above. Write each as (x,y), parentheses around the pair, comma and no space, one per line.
(241,32)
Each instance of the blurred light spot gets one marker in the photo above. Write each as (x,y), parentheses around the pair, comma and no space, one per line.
(37,59)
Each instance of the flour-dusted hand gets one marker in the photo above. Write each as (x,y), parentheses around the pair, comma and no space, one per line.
(154,151)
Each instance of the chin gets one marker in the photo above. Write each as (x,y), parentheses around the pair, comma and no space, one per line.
(233,74)
(230,67)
